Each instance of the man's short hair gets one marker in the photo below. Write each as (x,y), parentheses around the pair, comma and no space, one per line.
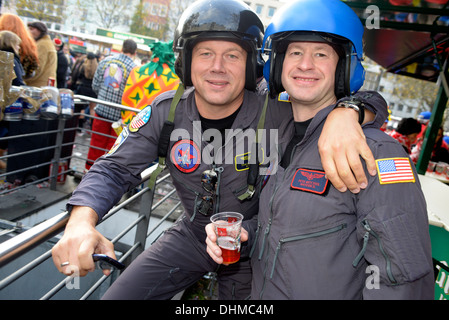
(39,26)
(129,46)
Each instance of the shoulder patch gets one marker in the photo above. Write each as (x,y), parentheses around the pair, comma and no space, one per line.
(185,156)
(118,142)
(394,170)
(310,181)
(242,161)
(140,119)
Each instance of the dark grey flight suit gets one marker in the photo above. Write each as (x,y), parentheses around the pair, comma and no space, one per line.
(315,242)
(179,258)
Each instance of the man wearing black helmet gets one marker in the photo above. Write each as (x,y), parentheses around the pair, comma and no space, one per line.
(218,62)
(313,241)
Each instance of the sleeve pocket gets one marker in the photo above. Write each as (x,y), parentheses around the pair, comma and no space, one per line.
(400,247)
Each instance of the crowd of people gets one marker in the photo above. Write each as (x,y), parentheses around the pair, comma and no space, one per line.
(41,60)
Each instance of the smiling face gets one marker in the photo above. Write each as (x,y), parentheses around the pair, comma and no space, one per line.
(218,72)
(308,75)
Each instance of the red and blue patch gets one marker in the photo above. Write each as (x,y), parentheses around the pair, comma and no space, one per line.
(310,181)
(140,119)
(185,155)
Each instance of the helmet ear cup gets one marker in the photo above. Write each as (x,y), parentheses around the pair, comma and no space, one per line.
(266,73)
(357,75)
(277,74)
(182,69)
(273,73)
(341,80)
(178,68)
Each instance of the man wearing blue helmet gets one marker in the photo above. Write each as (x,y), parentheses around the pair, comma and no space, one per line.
(312,241)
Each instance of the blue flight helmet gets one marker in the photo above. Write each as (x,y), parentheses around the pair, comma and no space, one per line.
(329,21)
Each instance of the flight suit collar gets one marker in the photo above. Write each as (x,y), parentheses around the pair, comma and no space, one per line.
(246,116)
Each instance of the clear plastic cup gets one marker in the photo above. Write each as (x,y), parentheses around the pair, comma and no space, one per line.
(228,226)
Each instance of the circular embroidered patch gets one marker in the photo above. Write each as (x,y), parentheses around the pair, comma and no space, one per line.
(185,155)
(140,119)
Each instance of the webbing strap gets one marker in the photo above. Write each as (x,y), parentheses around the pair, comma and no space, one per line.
(164,138)
(254,167)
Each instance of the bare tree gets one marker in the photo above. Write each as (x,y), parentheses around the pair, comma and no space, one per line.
(48,11)
(408,88)
(109,13)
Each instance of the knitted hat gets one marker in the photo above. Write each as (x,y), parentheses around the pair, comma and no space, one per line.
(58,42)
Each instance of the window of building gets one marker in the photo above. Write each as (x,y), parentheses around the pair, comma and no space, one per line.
(155,8)
(164,11)
(259,8)
(271,11)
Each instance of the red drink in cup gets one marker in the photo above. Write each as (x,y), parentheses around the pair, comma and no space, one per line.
(230,251)
(227,227)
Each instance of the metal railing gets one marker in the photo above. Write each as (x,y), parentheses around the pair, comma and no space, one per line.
(28,239)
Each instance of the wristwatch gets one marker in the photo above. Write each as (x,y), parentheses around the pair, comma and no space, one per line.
(356,105)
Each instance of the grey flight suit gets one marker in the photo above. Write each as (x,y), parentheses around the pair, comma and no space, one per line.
(314,242)
(179,258)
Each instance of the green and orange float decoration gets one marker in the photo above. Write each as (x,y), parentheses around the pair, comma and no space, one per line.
(146,82)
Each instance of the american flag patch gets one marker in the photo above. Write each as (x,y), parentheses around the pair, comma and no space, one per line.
(394,170)
(140,119)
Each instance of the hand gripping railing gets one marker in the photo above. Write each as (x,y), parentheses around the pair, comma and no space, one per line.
(44,231)
(31,238)
(22,243)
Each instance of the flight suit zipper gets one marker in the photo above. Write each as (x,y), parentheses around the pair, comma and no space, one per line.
(268,227)
(282,241)
(366,237)
(256,237)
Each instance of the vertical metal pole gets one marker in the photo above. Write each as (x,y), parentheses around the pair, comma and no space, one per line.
(57,154)
(146,202)
(432,128)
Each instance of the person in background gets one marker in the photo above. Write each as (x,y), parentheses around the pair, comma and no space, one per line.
(440,152)
(48,61)
(82,78)
(63,64)
(10,42)
(406,133)
(28,49)
(78,59)
(440,149)
(109,83)
(71,61)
